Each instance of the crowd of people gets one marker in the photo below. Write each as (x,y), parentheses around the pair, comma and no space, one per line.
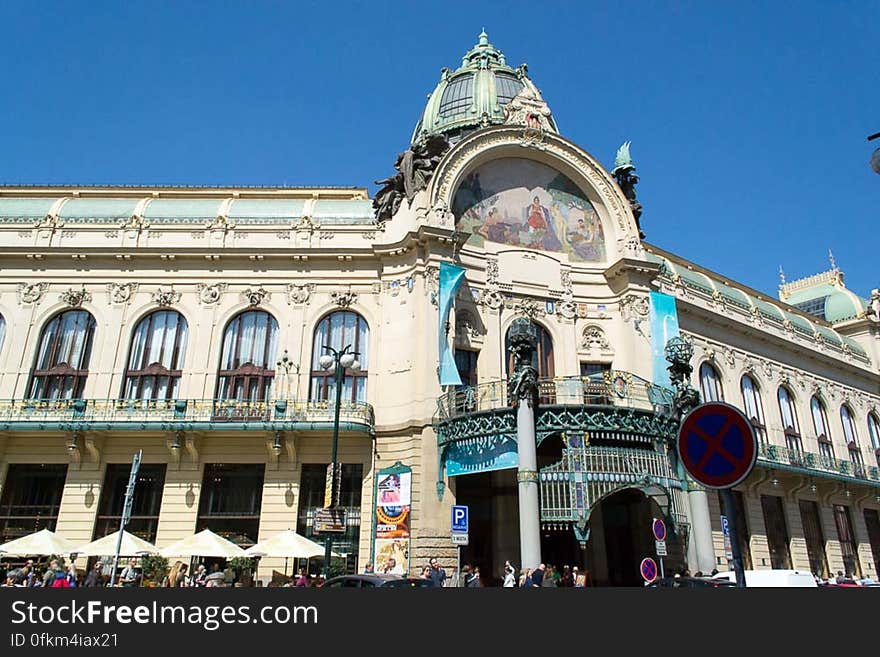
(56,574)
(546,576)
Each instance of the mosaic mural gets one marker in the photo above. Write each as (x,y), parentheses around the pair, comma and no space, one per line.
(525,203)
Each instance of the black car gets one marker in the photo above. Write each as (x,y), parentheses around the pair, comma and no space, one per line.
(372,581)
(692,583)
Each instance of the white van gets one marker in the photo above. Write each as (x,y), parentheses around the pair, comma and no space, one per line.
(774,578)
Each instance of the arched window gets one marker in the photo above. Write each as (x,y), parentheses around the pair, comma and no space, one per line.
(338,330)
(874,434)
(788,413)
(820,424)
(754,409)
(247,364)
(710,384)
(155,359)
(62,364)
(542,357)
(852,440)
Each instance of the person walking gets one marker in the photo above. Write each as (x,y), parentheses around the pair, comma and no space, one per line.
(473,581)
(129,576)
(549,580)
(538,575)
(302,579)
(509,576)
(93,579)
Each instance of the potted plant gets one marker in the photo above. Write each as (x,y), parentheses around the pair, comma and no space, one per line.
(243,568)
(154,569)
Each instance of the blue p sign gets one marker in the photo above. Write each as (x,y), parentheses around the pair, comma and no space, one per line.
(460,519)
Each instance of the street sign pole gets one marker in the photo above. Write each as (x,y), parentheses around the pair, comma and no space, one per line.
(126,509)
(727,499)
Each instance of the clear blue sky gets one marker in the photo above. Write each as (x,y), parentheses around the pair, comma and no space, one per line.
(748,119)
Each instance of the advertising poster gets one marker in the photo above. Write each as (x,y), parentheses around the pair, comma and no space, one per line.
(392,526)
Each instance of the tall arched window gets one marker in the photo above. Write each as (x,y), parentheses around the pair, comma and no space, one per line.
(247,364)
(874,434)
(155,359)
(710,384)
(820,424)
(788,413)
(337,330)
(851,436)
(542,358)
(754,409)
(62,364)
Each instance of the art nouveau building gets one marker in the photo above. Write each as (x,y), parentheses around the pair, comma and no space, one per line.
(189,323)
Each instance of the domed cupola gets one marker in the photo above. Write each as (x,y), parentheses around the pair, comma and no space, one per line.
(475,94)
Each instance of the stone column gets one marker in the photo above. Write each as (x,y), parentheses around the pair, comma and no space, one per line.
(523,393)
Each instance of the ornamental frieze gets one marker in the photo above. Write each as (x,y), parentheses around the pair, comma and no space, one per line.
(254,296)
(299,294)
(210,293)
(344,299)
(121,292)
(31,292)
(165,298)
(75,298)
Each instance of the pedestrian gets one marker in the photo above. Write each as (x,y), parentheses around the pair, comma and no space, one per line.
(93,579)
(438,575)
(549,580)
(525,578)
(538,575)
(567,580)
(580,579)
(426,573)
(49,575)
(302,579)
(509,576)
(473,581)
(368,569)
(71,576)
(200,577)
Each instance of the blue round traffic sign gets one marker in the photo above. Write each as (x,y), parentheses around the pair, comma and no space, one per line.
(659,529)
(648,569)
(717,445)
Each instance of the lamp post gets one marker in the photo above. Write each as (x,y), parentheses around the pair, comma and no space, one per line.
(339,361)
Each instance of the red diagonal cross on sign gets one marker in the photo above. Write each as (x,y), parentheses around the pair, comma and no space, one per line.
(714,446)
(733,443)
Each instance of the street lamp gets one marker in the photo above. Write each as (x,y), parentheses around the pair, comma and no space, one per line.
(338,361)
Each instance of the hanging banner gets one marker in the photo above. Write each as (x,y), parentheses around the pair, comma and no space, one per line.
(391,525)
(451,277)
(664,326)
(482,454)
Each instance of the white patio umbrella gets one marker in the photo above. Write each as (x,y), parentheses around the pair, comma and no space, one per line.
(287,544)
(131,546)
(204,544)
(43,543)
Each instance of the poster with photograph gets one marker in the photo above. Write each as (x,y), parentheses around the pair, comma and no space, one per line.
(392,520)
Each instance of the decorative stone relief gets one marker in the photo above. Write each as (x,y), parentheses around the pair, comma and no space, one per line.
(255,295)
(729,356)
(432,280)
(220,223)
(565,280)
(134,222)
(633,306)
(767,368)
(528,307)
(377,288)
(210,293)
(493,299)
(491,272)
(299,294)
(594,339)
(75,298)
(121,292)
(31,292)
(165,298)
(305,223)
(49,221)
(567,309)
(631,247)
(344,299)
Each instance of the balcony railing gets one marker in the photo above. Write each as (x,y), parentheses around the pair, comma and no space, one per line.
(795,458)
(615,389)
(38,413)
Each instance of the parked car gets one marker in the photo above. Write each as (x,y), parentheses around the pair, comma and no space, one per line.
(692,583)
(773,578)
(376,580)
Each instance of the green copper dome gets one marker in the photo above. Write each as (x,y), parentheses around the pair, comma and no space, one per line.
(474,95)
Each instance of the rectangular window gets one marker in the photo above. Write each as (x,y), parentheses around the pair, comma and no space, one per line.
(595,388)
(742,526)
(145,505)
(777,532)
(230,501)
(872,520)
(31,499)
(814,537)
(848,547)
(466,362)
(311,499)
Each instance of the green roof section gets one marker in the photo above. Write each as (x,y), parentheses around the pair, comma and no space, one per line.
(801,323)
(736,297)
(23,210)
(269,210)
(343,212)
(854,346)
(89,209)
(769,310)
(172,210)
(829,335)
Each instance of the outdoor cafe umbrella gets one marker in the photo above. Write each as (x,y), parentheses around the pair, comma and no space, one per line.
(287,544)
(204,544)
(131,545)
(43,543)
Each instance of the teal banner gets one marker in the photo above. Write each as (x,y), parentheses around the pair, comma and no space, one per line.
(481,455)
(664,326)
(451,277)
